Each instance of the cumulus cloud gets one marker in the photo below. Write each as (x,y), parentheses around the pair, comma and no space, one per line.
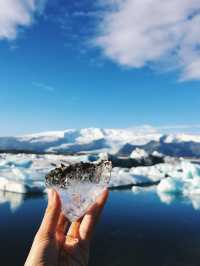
(17,13)
(136,33)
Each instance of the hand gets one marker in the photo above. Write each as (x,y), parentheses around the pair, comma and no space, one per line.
(53,246)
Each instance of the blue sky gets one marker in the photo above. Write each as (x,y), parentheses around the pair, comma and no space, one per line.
(62,67)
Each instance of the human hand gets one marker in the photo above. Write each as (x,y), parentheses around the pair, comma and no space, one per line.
(54,245)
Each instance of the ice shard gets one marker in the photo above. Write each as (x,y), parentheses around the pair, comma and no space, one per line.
(79,185)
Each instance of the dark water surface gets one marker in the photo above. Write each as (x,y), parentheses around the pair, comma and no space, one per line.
(135,229)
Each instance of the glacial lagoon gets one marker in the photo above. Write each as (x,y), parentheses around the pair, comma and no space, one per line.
(136,228)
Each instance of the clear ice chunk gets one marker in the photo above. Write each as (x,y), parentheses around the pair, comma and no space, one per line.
(78,185)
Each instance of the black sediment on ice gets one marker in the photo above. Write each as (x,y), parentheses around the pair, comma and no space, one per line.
(90,172)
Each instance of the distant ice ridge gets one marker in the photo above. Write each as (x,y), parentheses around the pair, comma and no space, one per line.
(95,140)
(79,140)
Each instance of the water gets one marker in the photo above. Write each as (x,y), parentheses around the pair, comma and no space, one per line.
(135,229)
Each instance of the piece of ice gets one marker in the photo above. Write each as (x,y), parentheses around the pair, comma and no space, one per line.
(77,198)
(78,185)
(139,154)
(157,154)
(184,182)
(170,185)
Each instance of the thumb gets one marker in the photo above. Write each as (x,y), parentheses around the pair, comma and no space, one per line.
(51,216)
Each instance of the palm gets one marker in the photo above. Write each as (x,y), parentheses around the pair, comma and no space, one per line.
(77,257)
(59,254)
(74,247)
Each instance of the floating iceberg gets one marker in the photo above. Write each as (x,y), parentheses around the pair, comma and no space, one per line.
(123,177)
(139,154)
(184,179)
(24,173)
(184,183)
(20,186)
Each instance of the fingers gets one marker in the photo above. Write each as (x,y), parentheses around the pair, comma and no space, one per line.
(91,217)
(52,213)
(74,229)
(61,228)
(62,224)
(72,237)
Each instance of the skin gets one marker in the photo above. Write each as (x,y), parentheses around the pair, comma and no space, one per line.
(54,244)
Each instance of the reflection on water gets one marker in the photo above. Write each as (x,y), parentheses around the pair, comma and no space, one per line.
(195,200)
(192,199)
(170,198)
(166,198)
(140,228)
(14,199)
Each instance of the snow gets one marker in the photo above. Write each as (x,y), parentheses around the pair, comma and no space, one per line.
(97,140)
(139,154)
(78,140)
(182,138)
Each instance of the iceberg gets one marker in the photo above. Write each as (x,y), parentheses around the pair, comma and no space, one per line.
(22,187)
(170,185)
(126,177)
(24,173)
(185,182)
(139,154)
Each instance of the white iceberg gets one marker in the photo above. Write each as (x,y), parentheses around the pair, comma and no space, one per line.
(135,176)
(24,173)
(139,154)
(185,183)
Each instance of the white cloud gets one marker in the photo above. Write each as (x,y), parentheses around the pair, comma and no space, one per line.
(43,86)
(188,129)
(167,129)
(17,13)
(136,33)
